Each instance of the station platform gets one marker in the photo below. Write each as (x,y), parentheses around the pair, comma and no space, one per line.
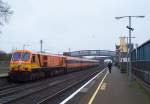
(115,90)
(111,88)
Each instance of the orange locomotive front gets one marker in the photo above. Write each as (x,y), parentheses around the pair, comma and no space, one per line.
(29,65)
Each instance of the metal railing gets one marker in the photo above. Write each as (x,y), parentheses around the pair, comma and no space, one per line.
(142,74)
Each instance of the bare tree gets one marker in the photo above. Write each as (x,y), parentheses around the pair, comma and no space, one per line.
(5,12)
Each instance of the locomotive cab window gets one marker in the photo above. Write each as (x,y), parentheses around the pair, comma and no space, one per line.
(16,56)
(25,56)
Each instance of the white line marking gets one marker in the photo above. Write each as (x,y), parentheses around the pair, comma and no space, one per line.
(77,91)
(86,88)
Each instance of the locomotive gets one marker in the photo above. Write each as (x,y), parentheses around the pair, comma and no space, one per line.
(27,65)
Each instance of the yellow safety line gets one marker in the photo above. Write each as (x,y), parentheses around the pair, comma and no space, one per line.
(99,86)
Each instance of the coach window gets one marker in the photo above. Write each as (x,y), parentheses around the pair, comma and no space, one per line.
(33,58)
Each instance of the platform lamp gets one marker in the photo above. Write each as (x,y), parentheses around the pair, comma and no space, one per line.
(130,29)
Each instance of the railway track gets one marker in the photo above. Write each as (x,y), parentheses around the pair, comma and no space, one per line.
(39,97)
(59,96)
(44,90)
(19,92)
(5,84)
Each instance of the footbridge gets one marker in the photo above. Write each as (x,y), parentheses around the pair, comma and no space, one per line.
(91,53)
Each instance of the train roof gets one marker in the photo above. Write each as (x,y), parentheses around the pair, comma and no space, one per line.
(41,53)
(67,57)
(25,51)
(72,58)
(78,58)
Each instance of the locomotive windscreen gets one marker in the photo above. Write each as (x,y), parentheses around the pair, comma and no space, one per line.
(16,56)
(21,56)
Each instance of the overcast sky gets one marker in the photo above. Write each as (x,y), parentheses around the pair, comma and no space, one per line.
(74,24)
